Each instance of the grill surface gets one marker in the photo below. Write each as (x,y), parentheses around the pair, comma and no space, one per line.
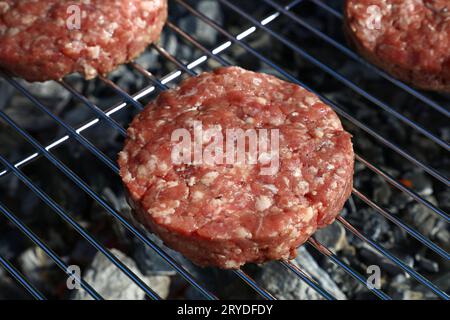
(218,55)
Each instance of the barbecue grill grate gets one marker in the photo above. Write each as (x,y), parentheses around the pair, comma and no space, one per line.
(133,101)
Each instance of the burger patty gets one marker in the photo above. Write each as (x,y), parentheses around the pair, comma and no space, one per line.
(409,39)
(48,39)
(221,214)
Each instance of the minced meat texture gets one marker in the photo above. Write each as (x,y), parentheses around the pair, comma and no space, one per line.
(39,39)
(410,39)
(226,215)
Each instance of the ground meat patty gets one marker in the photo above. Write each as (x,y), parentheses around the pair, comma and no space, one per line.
(410,39)
(40,40)
(226,215)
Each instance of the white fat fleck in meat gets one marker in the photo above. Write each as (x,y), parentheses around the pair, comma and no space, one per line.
(261,100)
(123,156)
(197,195)
(262,203)
(302,187)
(232,264)
(271,187)
(127,177)
(320,180)
(163,166)
(209,178)
(171,184)
(13,31)
(256,81)
(89,70)
(243,233)
(249,120)
(4,6)
(157,212)
(94,52)
(297,172)
(191,181)
(308,215)
(142,171)
(277,121)
(318,133)
(311,100)
(28,20)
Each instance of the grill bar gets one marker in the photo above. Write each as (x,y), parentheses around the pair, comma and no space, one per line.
(94,108)
(394,259)
(327,252)
(308,279)
(402,188)
(58,209)
(122,93)
(411,231)
(336,75)
(248,280)
(61,123)
(354,56)
(133,100)
(49,252)
(21,279)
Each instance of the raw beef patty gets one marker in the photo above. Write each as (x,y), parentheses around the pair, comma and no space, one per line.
(48,39)
(409,39)
(221,214)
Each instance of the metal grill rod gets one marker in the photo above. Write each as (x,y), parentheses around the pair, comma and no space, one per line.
(191,40)
(417,276)
(122,93)
(60,211)
(94,108)
(322,5)
(70,174)
(328,253)
(411,231)
(356,57)
(69,129)
(403,188)
(80,129)
(338,76)
(307,278)
(247,279)
(394,259)
(49,252)
(338,109)
(21,279)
